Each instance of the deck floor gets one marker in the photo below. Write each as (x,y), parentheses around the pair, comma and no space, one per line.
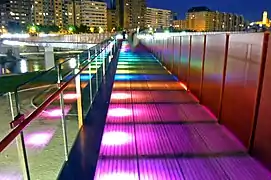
(156,130)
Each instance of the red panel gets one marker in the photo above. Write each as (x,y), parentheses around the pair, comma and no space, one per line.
(196,64)
(177,47)
(213,71)
(184,58)
(241,82)
(262,145)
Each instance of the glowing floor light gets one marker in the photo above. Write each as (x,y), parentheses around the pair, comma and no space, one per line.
(72,63)
(184,86)
(118,176)
(120,96)
(55,112)
(85,77)
(71,96)
(119,112)
(10,174)
(115,138)
(40,139)
(23,66)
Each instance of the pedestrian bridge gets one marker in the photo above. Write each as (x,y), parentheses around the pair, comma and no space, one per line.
(187,107)
(76,41)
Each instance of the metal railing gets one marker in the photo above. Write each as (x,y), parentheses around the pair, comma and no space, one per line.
(61,98)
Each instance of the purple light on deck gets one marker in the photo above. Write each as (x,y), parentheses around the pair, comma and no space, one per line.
(112,169)
(119,112)
(120,96)
(71,96)
(39,139)
(115,138)
(118,176)
(120,119)
(118,140)
(56,112)
(11,175)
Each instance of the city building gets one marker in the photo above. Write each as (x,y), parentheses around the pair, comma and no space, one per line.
(74,13)
(60,12)
(130,13)
(180,24)
(50,12)
(111,20)
(43,12)
(204,19)
(158,18)
(94,14)
(265,21)
(15,13)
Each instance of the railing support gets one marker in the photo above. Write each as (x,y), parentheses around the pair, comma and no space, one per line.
(62,106)
(20,140)
(259,92)
(90,78)
(96,64)
(79,94)
(223,78)
(104,60)
(202,68)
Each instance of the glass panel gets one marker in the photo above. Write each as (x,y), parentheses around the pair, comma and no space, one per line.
(10,164)
(50,137)
(44,141)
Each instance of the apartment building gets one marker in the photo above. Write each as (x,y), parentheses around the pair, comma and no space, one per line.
(204,19)
(158,18)
(94,14)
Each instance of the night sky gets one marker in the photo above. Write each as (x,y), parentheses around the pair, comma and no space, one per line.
(251,9)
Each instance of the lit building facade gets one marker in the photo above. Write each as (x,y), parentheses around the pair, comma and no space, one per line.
(204,19)
(265,20)
(60,12)
(180,24)
(16,12)
(74,13)
(158,18)
(50,12)
(130,13)
(94,14)
(43,12)
(111,19)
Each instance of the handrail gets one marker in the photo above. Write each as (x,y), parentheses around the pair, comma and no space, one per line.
(52,68)
(16,131)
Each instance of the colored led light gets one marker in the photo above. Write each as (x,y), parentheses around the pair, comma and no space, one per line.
(71,96)
(40,139)
(120,95)
(55,112)
(118,176)
(115,138)
(120,112)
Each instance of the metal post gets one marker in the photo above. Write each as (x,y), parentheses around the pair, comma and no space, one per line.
(189,61)
(202,68)
(173,59)
(223,78)
(90,78)
(89,55)
(62,106)
(104,60)
(96,64)
(259,92)
(20,140)
(79,95)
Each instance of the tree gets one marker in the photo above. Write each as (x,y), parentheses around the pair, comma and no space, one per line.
(96,30)
(14,27)
(83,29)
